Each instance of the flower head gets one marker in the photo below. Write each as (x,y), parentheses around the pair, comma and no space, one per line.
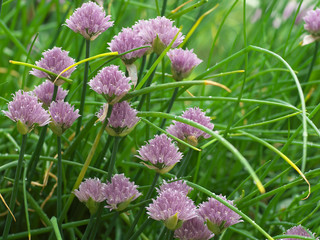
(179,186)
(120,192)
(89,20)
(158,32)
(299,231)
(182,62)
(126,40)
(193,229)
(187,132)
(63,115)
(217,215)
(312,22)
(122,120)
(91,193)
(161,153)
(26,111)
(54,60)
(45,90)
(172,207)
(111,83)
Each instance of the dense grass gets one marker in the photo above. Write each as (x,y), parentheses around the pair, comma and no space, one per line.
(269,120)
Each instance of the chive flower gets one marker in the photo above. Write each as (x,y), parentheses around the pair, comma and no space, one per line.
(218,216)
(120,192)
(188,133)
(126,40)
(54,60)
(312,25)
(182,62)
(173,208)
(63,116)
(299,231)
(89,20)
(91,193)
(193,229)
(122,120)
(111,83)
(158,32)
(179,186)
(26,111)
(161,153)
(44,92)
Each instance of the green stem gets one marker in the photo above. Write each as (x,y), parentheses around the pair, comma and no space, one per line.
(55,92)
(185,163)
(141,210)
(15,187)
(143,63)
(59,187)
(164,5)
(84,87)
(97,221)
(173,98)
(244,74)
(140,230)
(313,61)
(89,226)
(113,157)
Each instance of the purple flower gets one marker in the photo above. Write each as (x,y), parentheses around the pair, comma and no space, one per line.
(217,215)
(111,83)
(158,32)
(182,62)
(179,186)
(44,92)
(122,120)
(172,207)
(91,193)
(126,40)
(161,153)
(193,229)
(299,231)
(54,60)
(120,192)
(187,132)
(26,111)
(89,20)
(63,115)
(312,22)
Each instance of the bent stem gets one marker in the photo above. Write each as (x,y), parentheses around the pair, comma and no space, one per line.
(15,187)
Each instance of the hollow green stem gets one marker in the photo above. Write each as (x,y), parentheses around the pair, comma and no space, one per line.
(89,226)
(142,209)
(113,157)
(314,58)
(173,98)
(15,187)
(59,187)
(185,163)
(140,230)
(164,5)
(84,87)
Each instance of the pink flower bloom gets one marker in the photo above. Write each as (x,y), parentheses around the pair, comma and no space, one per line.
(187,132)
(312,22)
(111,83)
(299,231)
(26,110)
(161,153)
(193,229)
(179,186)
(122,120)
(54,60)
(89,20)
(182,62)
(63,116)
(172,207)
(158,32)
(120,192)
(91,193)
(217,215)
(44,92)
(126,40)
